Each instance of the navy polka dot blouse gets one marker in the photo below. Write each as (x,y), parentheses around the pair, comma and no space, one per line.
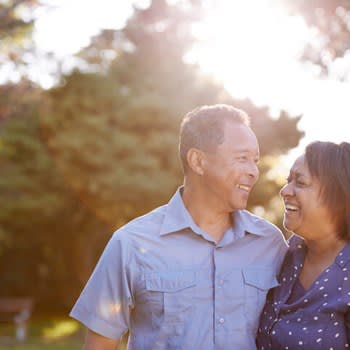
(318,318)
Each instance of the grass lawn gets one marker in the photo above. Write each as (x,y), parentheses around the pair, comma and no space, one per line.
(38,345)
(45,334)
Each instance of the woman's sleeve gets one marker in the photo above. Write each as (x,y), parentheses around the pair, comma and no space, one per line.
(347,325)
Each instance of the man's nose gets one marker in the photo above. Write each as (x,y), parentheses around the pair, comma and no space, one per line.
(254,171)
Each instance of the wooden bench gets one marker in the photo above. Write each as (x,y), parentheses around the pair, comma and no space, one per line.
(17,311)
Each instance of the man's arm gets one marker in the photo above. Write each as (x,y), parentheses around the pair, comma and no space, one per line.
(94,341)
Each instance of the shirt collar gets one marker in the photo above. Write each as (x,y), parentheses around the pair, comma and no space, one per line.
(297,243)
(178,218)
(343,257)
(246,222)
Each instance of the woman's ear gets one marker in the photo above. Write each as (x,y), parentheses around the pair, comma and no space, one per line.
(195,160)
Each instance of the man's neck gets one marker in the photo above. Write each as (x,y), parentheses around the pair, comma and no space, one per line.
(213,220)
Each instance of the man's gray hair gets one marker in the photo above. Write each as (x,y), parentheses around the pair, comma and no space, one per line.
(204,128)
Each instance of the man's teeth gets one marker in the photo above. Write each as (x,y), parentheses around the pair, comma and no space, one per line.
(291,207)
(243,187)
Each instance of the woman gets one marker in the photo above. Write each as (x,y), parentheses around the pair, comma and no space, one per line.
(310,309)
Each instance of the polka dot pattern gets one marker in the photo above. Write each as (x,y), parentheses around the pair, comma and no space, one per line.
(318,318)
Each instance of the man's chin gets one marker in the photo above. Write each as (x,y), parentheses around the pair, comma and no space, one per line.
(239,206)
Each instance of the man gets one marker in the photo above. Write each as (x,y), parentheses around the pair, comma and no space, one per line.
(192,274)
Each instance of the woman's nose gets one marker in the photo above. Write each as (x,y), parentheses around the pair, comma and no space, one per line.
(286,190)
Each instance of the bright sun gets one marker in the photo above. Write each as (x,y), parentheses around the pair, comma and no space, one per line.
(249,45)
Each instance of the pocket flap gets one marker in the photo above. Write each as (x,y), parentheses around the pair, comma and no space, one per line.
(170,281)
(260,278)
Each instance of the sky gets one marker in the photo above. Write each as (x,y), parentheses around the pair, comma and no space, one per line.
(254,53)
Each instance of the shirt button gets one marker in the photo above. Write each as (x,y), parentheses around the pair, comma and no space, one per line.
(222,320)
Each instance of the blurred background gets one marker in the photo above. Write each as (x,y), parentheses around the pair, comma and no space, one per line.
(92,94)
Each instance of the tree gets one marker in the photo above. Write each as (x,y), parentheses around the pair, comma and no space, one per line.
(11,23)
(43,227)
(331,20)
(113,133)
(16,25)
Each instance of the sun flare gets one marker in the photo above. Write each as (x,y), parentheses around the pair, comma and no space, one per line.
(249,44)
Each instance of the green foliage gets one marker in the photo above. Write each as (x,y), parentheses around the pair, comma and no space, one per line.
(11,20)
(113,150)
(331,20)
(43,226)
(15,28)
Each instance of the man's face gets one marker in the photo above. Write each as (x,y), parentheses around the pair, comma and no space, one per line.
(230,172)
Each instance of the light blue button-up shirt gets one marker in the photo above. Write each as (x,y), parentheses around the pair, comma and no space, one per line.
(167,281)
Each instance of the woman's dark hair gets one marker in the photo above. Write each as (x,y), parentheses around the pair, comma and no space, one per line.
(330,164)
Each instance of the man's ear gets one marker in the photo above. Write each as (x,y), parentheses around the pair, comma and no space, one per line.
(195,160)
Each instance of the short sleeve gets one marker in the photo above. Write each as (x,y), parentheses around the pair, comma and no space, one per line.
(105,302)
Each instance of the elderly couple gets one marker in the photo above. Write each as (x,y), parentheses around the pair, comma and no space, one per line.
(202,273)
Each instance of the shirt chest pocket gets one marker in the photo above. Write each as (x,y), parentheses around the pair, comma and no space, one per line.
(257,282)
(172,294)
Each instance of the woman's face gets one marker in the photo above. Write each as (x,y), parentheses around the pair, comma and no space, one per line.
(305,214)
